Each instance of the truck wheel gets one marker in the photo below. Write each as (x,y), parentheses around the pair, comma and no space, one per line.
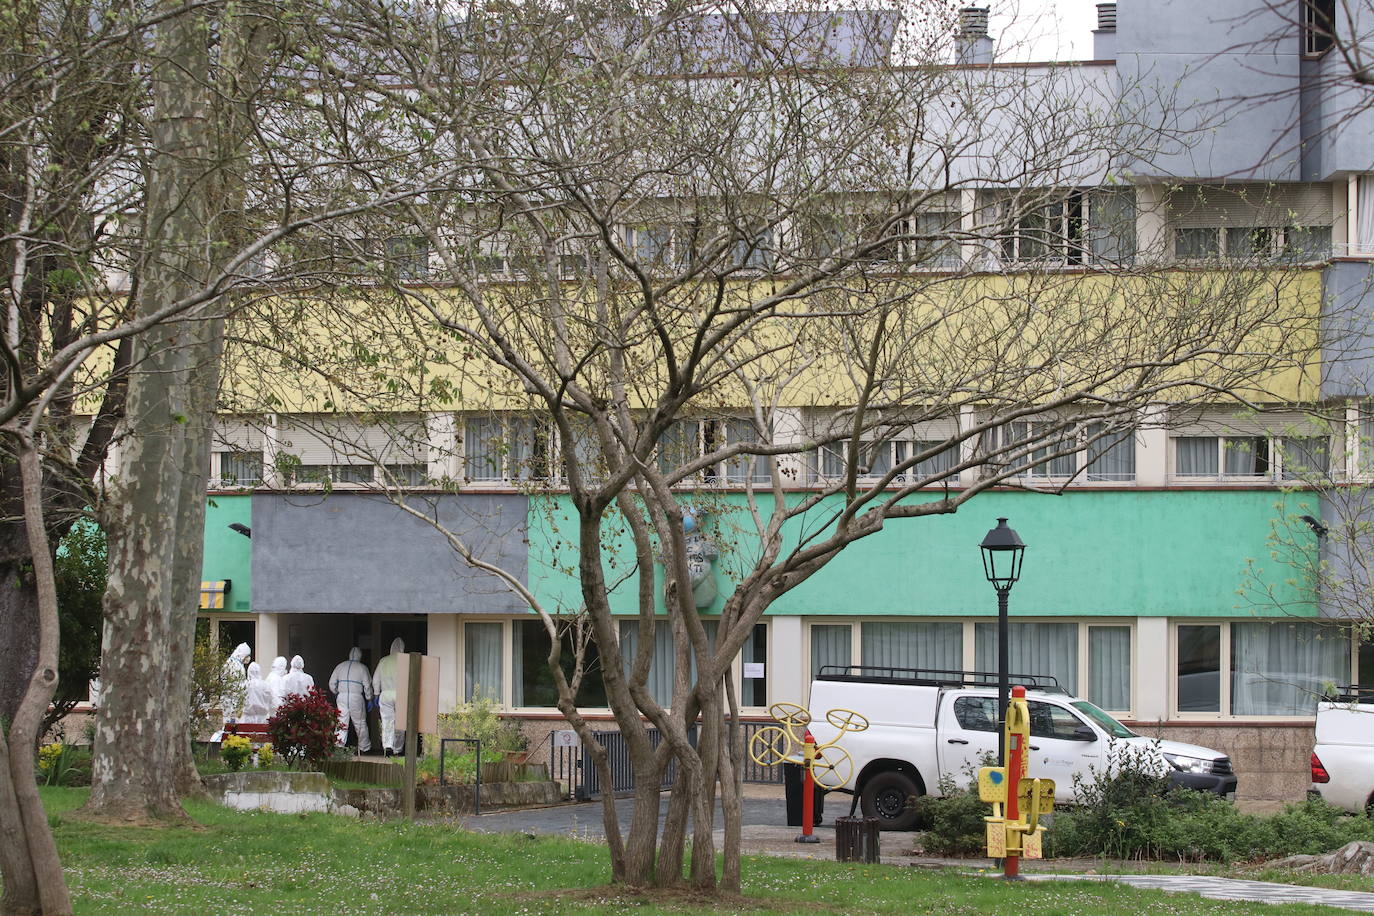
(887,797)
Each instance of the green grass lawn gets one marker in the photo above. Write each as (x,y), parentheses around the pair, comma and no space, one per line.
(255,863)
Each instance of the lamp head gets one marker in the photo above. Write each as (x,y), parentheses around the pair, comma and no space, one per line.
(1002,552)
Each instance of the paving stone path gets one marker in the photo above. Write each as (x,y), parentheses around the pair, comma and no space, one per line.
(1232,889)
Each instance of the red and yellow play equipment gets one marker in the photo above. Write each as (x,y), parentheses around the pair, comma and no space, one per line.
(1018,802)
(826,765)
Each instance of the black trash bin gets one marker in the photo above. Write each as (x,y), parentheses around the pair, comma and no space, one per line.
(793,775)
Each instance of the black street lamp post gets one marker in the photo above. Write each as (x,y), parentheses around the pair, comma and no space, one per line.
(1002,551)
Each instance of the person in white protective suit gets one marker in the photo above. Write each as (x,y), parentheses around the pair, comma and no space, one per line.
(231,704)
(276,680)
(352,688)
(257,698)
(297,681)
(384,683)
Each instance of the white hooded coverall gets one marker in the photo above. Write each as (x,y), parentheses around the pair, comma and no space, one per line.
(352,688)
(297,681)
(257,698)
(384,683)
(232,702)
(276,679)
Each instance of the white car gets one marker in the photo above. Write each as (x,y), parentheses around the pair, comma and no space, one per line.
(1341,760)
(927,724)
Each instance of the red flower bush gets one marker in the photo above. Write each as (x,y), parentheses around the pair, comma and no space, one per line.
(303,728)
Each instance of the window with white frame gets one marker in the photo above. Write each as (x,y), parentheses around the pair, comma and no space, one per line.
(505,449)
(658,246)
(238,468)
(1298,243)
(1244,456)
(407,257)
(483,652)
(686,441)
(754,671)
(926,239)
(1072,227)
(532,683)
(1257,222)
(1092,451)
(877,458)
(331,451)
(1318,26)
(1093,658)
(1257,668)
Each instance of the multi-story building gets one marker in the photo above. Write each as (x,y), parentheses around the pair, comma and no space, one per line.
(1150,583)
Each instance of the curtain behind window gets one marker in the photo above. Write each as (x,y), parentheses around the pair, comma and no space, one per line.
(830,645)
(1036,648)
(482,661)
(661,667)
(1365,202)
(903,644)
(1113,456)
(1196,456)
(1109,667)
(1280,669)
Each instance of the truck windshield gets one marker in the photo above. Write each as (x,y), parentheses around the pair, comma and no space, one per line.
(1105,721)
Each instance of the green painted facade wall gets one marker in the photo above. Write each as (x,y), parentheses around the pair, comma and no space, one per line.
(228,554)
(1174,553)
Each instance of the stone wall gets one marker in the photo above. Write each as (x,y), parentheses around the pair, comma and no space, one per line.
(275,790)
(438,801)
(1272,761)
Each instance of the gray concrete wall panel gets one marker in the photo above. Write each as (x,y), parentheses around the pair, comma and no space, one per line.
(1348,347)
(359,553)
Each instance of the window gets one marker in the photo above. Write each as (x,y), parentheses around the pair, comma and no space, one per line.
(976,714)
(876,459)
(1039,462)
(1318,26)
(406,475)
(482,654)
(531,681)
(1036,648)
(1111,454)
(661,665)
(1296,243)
(755,252)
(1096,225)
(1050,721)
(505,449)
(686,441)
(657,246)
(830,645)
(924,240)
(754,667)
(1254,457)
(918,644)
(407,257)
(1109,666)
(240,469)
(1257,668)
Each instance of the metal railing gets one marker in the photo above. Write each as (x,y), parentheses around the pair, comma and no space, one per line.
(477,789)
(576,768)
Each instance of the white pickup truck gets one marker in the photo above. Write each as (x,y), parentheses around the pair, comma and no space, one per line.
(925,724)
(1341,770)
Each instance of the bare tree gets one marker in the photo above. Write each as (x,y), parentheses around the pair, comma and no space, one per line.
(706,248)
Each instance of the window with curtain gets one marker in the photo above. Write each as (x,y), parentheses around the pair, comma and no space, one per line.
(1111,457)
(875,458)
(1305,457)
(1036,648)
(1246,456)
(912,644)
(1039,463)
(1109,667)
(482,661)
(1197,456)
(1111,217)
(1197,244)
(680,444)
(1199,668)
(936,465)
(1364,232)
(661,667)
(830,645)
(744,468)
(529,453)
(1281,669)
(242,469)
(483,448)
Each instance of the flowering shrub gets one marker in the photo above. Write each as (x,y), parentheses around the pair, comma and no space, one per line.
(64,765)
(235,750)
(265,755)
(303,728)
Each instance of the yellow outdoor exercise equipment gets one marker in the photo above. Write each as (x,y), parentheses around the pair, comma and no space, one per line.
(829,765)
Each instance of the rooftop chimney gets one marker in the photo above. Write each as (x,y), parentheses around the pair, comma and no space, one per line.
(1104,36)
(973,44)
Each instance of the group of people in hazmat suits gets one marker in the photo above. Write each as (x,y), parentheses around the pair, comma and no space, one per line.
(354,689)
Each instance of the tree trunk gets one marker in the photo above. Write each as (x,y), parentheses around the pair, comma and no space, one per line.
(135,774)
(32,870)
(18,620)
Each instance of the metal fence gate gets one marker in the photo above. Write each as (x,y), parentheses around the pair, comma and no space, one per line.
(574,768)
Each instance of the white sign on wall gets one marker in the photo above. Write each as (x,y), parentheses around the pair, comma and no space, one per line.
(566,737)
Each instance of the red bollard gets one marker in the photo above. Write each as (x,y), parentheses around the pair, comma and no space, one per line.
(808,792)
